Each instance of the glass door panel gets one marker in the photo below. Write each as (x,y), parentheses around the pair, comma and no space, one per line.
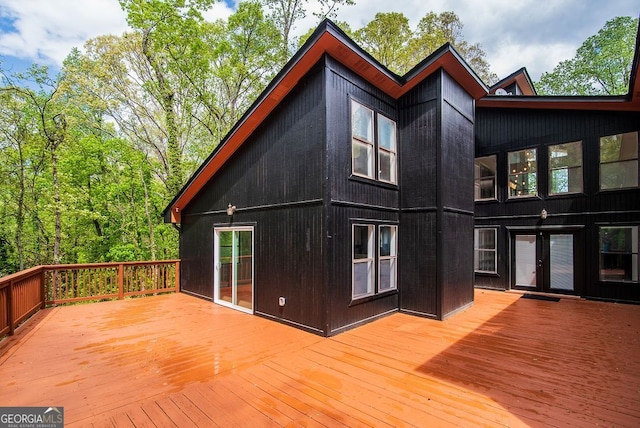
(233,261)
(225,266)
(244,269)
(525,261)
(561,262)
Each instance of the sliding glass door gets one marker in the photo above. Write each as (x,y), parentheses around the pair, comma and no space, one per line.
(233,263)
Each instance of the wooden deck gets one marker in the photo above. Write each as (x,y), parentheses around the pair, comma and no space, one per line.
(175,360)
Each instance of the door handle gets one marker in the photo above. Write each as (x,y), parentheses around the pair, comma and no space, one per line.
(540,263)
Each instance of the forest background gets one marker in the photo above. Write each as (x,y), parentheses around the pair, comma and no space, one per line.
(90,157)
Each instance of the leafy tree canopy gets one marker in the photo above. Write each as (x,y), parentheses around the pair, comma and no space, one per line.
(390,39)
(601,66)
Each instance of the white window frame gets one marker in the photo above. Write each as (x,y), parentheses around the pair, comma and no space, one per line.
(391,152)
(370,260)
(392,258)
(477,250)
(477,179)
(374,260)
(373,146)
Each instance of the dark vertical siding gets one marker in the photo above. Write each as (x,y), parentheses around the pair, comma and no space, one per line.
(437,197)
(455,222)
(275,180)
(499,131)
(457,261)
(417,261)
(420,133)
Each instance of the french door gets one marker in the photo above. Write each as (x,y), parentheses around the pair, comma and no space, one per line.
(543,261)
(233,265)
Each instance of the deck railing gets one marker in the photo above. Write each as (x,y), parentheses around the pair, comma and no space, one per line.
(24,293)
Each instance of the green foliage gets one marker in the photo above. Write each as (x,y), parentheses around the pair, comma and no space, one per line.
(601,66)
(390,39)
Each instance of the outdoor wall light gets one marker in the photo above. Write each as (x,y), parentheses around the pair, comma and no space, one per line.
(543,214)
(231,209)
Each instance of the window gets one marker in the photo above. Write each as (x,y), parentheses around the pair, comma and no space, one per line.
(366,262)
(386,149)
(523,179)
(363,259)
(485,250)
(619,253)
(364,143)
(485,178)
(565,168)
(619,161)
(387,256)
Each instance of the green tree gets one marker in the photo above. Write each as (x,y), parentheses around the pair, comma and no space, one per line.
(390,39)
(601,66)
(285,14)
(169,29)
(387,38)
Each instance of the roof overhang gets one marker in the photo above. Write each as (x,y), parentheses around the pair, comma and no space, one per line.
(614,103)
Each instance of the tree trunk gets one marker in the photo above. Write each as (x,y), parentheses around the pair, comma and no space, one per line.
(57,206)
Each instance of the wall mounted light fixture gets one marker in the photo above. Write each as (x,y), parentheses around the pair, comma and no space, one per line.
(543,214)
(231,209)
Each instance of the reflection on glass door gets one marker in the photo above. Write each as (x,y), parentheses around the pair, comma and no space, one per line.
(544,262)
(561,262)
(233,261)
(526,275)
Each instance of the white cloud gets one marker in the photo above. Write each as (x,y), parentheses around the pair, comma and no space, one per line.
(519,33)
(536,58)
(46,31)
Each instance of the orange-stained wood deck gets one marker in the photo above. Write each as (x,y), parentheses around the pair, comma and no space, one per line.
(175,360)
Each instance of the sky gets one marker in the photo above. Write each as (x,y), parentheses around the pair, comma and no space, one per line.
(534,34)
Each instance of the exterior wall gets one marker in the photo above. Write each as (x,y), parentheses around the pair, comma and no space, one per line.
(499,131)
(350,198)
(276,182)
(420,119)
(437,119)
(456,197)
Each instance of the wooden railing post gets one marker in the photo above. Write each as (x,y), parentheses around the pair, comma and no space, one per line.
(10,308)
(120,281)
(43,290)
(178,276)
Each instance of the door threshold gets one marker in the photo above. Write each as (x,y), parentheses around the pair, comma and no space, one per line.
(545,294)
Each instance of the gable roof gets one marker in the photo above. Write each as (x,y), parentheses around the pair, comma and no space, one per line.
(331,40)
(519,77)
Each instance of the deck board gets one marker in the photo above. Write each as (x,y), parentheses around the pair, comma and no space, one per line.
(176,360)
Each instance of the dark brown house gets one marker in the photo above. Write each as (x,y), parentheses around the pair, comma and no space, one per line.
(346,192)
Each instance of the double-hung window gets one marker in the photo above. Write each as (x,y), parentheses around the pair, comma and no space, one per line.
(485,250)
(523,176)
(565,168)
(619,161)
(619,253)
(374,268)
(373,145)
(485,178)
